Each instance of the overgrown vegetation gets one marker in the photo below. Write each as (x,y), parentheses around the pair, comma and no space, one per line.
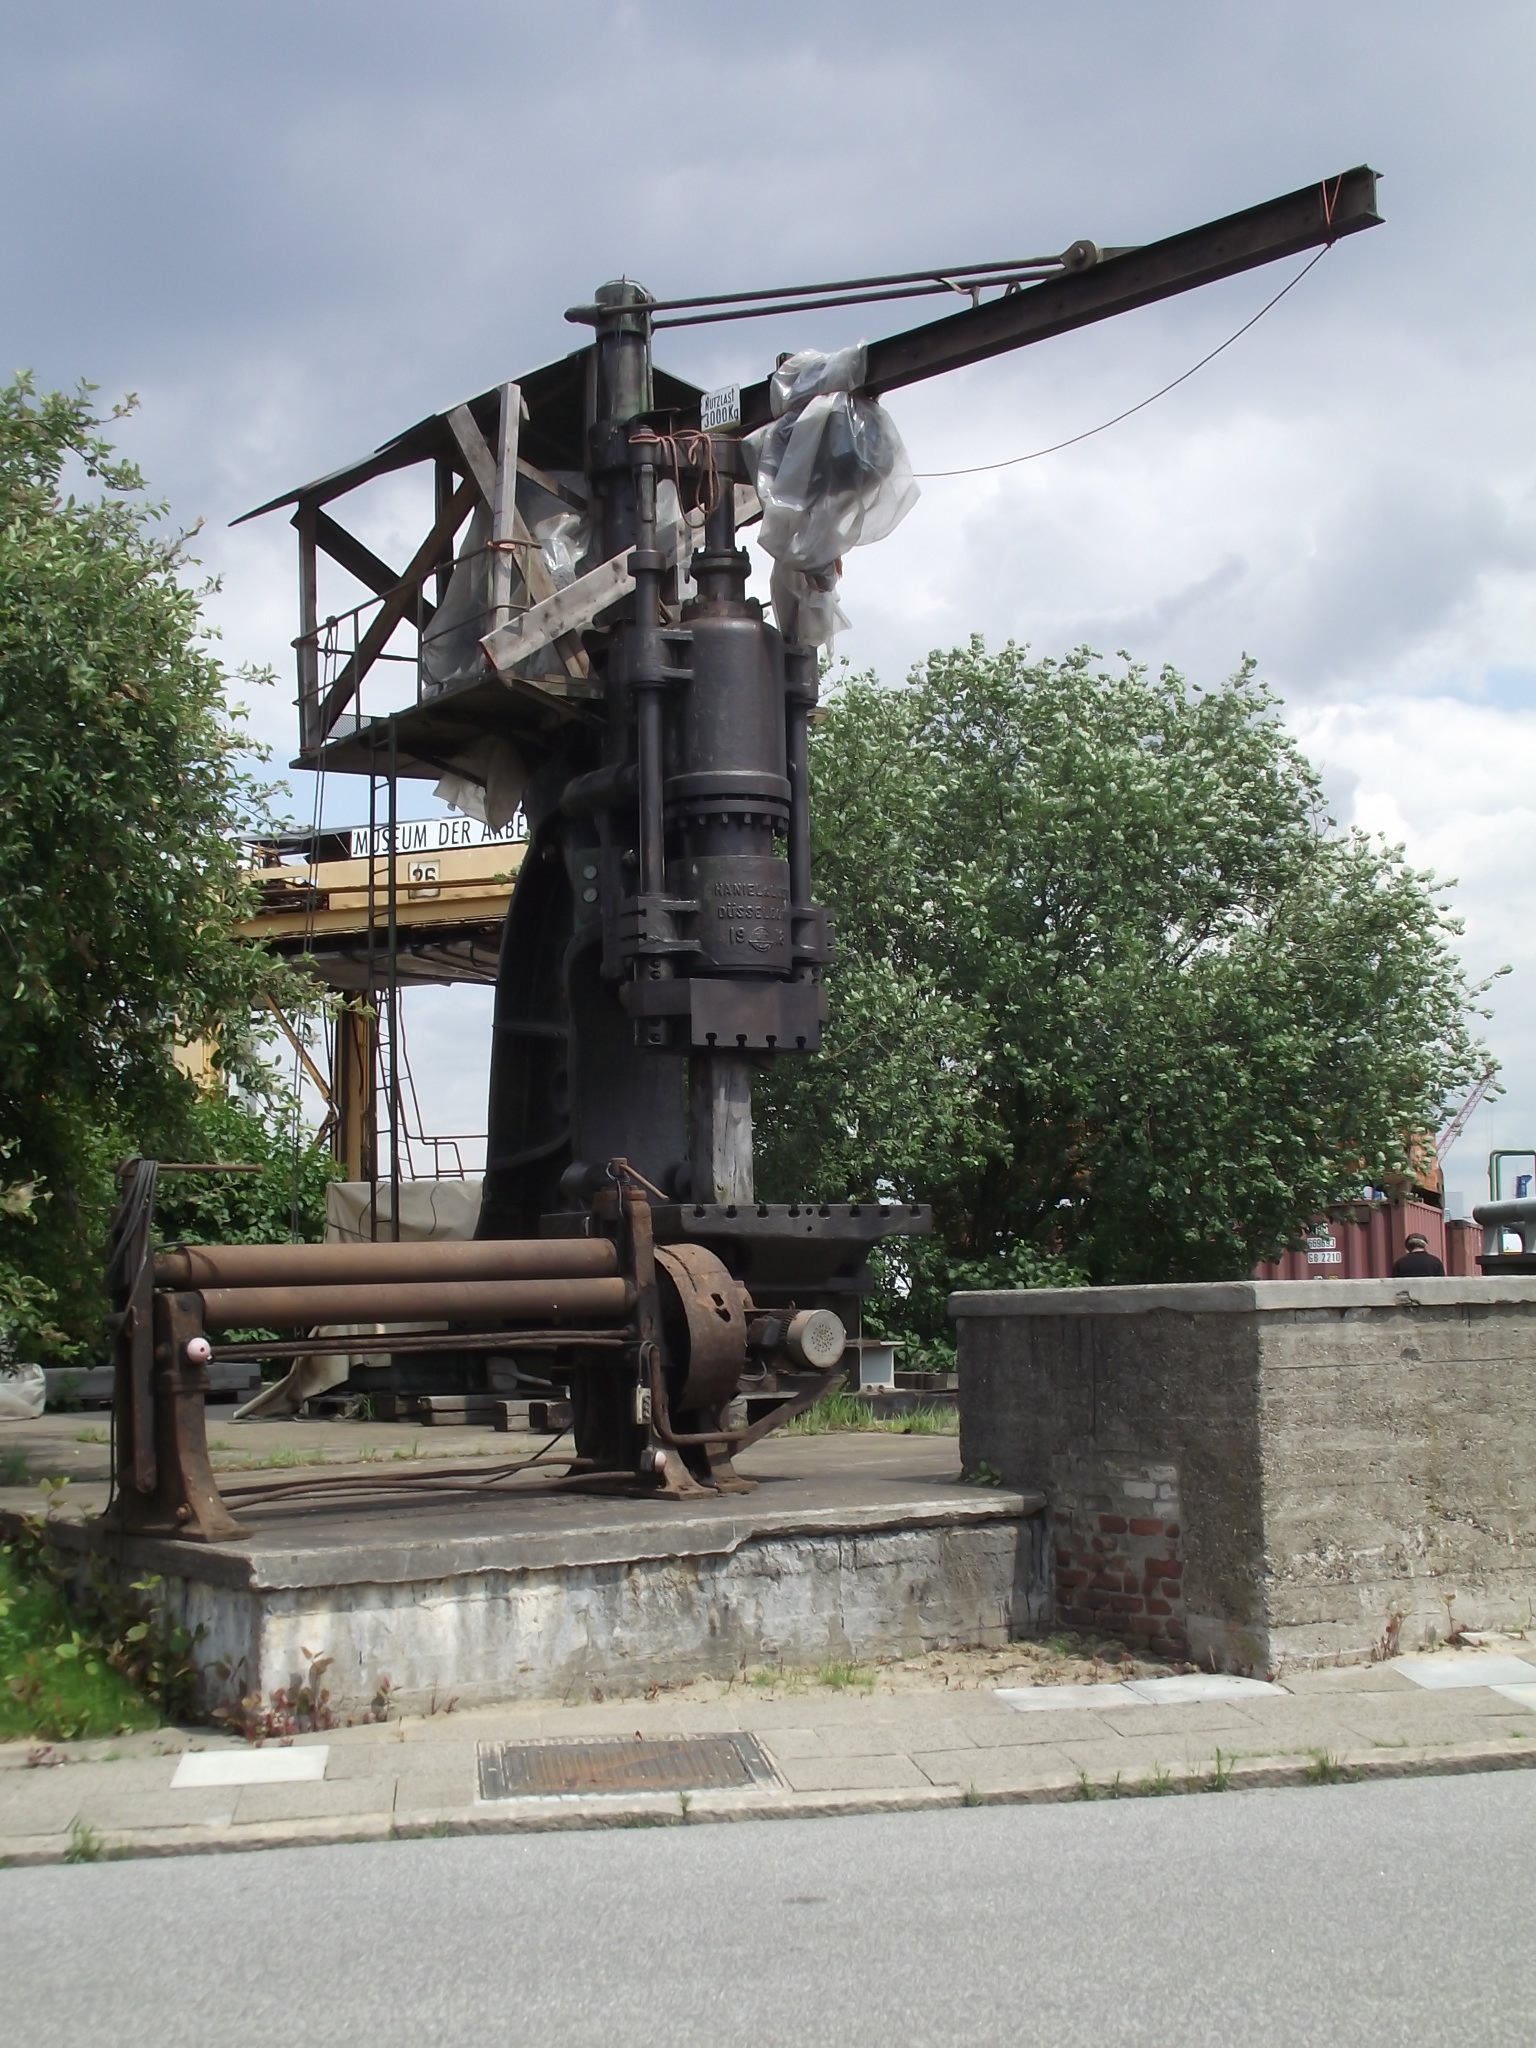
(844,1411)
(286,1199)
(124,789)
(1111,990)
(81,1654)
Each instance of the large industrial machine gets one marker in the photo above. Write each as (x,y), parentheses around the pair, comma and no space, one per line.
(579,641)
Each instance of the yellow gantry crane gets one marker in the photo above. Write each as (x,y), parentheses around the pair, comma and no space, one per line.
(367,921)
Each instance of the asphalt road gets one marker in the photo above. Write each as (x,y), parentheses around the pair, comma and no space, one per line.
(1399,1912)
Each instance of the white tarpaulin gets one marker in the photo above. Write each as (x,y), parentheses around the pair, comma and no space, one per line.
(23,1393)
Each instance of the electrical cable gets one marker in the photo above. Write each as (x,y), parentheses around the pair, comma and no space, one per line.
(1012,461)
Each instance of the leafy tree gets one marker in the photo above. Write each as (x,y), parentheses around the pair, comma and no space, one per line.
(286,1199)
(123,793)
(1112,992)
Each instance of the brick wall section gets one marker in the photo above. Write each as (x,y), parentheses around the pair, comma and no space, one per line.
(1119,1569)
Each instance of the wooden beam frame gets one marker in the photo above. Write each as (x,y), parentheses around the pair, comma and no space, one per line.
(504,519)
(395,606)
(509,530)
(307,647)
(359,560)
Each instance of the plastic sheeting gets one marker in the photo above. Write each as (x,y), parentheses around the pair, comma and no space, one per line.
(23,1393)
(450,646)
(832,474)
(486,783)
(563,540)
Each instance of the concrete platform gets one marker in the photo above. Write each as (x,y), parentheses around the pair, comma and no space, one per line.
(851,1547)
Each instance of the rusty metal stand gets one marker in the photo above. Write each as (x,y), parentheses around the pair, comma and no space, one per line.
(652,1383)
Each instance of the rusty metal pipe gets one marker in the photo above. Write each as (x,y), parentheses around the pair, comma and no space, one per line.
(421,1301)
(199,1267)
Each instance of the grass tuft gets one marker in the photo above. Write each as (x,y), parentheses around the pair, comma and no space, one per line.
(1219,1777)
(85,1845)
(1326,1769)
(844,1411)
(845,1677)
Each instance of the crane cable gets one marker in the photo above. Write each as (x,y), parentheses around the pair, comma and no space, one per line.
(1011,461)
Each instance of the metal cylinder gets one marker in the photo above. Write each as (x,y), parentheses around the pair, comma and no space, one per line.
(315,1265)
(422,1301)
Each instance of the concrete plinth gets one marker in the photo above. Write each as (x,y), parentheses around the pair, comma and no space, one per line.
(1268,1473)
(838,1555)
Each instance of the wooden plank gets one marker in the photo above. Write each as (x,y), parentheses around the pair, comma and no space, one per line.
(482,463)
(308,648)
(396,605)
(357,559)
(540,586)
(555,489)
(508,524)
(504,519)
(293,1038)
(444,482)
(568,611)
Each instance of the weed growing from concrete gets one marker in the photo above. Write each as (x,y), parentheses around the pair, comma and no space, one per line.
(304,1711)
(1089,1788)
(776,1678)
(981,1474)
(1219,1777)
(1389,1643)
(15,1467)
(85,1845)
(843,1677)
(972,1796)
(1157,1781)
(1326,1769)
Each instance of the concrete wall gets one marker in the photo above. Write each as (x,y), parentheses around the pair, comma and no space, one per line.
(532,1611)
(603,1630)
(1260,1473)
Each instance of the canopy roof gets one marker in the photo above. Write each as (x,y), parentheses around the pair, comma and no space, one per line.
(553,438)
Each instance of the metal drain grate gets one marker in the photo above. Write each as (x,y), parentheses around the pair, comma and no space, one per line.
(623,1763)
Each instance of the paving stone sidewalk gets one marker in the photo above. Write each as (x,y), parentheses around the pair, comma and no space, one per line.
(188,1790)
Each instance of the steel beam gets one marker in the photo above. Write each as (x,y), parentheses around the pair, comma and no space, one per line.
(1307,219)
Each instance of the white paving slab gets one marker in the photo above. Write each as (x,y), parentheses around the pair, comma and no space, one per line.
(1198,1685)
(250,1766)
(1036,1699)
(1441,1673)
(1137,1692)
(1522,1695)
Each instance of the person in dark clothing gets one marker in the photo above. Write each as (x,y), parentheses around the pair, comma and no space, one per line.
(1418,1261)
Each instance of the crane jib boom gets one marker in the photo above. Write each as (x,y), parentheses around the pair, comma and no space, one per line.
(1307,219)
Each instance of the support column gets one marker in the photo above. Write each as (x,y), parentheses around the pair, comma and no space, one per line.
(355,1136)
(720,1126)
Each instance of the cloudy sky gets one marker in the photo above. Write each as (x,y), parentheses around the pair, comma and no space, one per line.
(293,229)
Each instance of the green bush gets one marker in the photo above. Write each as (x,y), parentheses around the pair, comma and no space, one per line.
(80,1654)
